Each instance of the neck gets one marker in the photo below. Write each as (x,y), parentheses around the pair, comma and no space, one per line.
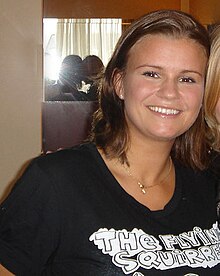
(149,162)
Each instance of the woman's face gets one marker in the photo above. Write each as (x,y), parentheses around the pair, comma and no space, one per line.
(217,111)
(163,86)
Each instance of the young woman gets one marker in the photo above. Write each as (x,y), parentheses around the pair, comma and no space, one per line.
(212,100)
(134,200)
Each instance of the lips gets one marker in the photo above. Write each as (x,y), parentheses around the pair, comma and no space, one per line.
(164,111)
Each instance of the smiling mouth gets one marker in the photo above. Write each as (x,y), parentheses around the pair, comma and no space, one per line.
(165,111)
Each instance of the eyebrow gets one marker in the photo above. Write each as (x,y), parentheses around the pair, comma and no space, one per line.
(192,71)
(148,65)
(161,68)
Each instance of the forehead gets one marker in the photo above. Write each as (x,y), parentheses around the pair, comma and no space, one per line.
(167,48)
(158,38)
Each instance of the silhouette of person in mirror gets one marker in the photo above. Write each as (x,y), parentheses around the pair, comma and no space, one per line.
(93,67)
(70,86)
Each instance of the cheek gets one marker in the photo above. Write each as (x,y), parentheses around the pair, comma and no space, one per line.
(138,92)
(198,95)
(195,100)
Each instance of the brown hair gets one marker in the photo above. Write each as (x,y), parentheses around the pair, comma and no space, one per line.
(110,131)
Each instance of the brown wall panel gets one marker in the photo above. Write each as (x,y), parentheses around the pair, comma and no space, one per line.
(207,12)
(108,8)
(66,124)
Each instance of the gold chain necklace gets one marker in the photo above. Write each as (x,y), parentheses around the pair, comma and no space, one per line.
(141,185)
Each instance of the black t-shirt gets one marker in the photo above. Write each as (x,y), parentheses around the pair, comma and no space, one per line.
(215,163)
(68,215)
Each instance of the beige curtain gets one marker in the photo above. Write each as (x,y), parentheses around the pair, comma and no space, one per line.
(87,36)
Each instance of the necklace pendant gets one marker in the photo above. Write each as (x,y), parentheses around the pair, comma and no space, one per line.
(141,187)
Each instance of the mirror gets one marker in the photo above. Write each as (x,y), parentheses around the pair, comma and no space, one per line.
(75,52)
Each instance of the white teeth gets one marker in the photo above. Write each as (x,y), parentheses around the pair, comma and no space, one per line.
(163,110)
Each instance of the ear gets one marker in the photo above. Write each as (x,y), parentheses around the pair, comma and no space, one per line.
(118,85)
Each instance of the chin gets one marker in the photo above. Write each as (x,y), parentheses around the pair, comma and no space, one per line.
(171,134)
(164,138)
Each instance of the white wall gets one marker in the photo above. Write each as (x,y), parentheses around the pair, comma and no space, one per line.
(20,85)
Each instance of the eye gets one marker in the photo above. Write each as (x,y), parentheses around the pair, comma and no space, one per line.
(187,80)
(151,74)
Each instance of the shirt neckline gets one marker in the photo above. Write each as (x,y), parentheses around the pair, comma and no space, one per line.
(112,183)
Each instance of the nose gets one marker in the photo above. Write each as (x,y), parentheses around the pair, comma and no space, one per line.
(168,89)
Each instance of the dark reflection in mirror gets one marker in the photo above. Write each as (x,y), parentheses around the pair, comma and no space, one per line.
(78,80)
(81,48)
